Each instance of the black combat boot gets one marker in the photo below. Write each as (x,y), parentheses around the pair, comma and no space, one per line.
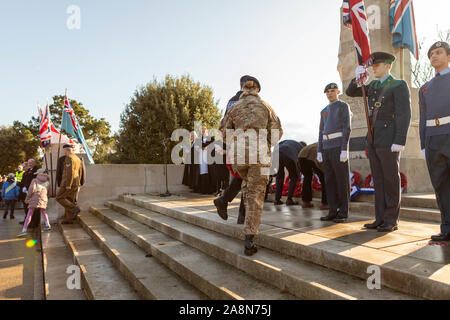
(241,218)
(222,206)
(250,247)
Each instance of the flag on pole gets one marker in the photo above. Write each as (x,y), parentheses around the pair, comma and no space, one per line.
(403,26)
(355,18)
(72,127)
(45,127)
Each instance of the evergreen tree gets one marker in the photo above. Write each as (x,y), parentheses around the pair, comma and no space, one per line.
(156,110)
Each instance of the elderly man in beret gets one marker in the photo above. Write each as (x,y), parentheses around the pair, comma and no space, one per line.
(71,180)
(434,102)
(390,117)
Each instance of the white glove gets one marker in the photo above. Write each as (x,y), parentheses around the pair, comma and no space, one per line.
(424,154)
(24,190)
(397,148)
(319,157)
(344,156)
(359,71)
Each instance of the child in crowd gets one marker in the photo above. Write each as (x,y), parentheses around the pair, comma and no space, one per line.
(37,198)
(10,193)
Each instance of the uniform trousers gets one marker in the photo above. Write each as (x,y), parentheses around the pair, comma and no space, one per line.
(438,162)
(337,182)
(308,169)
(291,166)
(254,181)
(67,198)
(385,166)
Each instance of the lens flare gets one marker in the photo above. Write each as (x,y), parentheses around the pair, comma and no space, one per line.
(31,243)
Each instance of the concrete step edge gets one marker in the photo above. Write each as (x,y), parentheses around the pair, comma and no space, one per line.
(207,286)
(413,284)
(286,277)
(126,267)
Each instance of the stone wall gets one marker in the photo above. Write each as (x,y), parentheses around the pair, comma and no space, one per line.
(107,182)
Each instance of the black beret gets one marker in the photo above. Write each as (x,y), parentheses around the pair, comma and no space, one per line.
(67,145)
(384,57)
(331,86)
(439,44)
(244,79)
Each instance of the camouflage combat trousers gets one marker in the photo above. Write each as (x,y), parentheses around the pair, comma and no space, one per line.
(255,179)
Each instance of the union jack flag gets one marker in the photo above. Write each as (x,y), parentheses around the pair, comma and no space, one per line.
(355,18)
(45,127)
(403,26)
(68,109)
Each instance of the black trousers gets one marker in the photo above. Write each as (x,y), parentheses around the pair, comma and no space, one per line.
(337,182)
(291,166)
(385,166)
(233,189)
(308,169)
(438,162)
(10,205)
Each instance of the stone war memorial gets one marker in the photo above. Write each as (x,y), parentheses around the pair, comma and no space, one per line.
(143,234)
(412,164)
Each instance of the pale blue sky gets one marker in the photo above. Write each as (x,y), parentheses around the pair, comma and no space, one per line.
(290,45)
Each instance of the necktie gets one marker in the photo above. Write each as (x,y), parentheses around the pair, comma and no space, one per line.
(438,74)
(377,84)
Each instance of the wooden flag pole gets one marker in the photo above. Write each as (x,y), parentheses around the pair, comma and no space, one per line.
(366,109)
(402,64)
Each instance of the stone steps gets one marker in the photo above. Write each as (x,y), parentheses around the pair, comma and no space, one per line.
(56,259)
(147,276)
(100,280)
(302,279)
(412,209)
(215,279)
(352,252)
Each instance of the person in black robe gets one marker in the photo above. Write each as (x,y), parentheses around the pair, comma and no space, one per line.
(204,177)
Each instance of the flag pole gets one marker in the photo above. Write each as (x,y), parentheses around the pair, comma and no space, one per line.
(402,64)
(51,154)
(60,134)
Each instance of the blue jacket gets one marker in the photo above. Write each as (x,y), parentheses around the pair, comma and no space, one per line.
(434,99)
(13,194)
(336,117)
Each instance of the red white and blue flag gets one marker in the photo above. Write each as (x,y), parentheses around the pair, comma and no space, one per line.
(45,127)
(403,26)
(72,127)
(354,15)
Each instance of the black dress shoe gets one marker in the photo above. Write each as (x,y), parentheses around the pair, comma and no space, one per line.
(373,225)
(222,207)
(291,202)
(328,218)
(340,220)
(66,222)
(278,203)
(5,215)
(21,222)
(12,217)
(387,228)
(441,237)
(76,212)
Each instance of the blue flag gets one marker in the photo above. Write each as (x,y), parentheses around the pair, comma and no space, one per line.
(403,26)
(72,127)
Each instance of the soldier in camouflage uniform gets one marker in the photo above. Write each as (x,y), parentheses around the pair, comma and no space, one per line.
(251,114)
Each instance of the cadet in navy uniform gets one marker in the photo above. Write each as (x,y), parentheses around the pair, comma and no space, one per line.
(434,100)
(288,155)
(333,149)
(390,116)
